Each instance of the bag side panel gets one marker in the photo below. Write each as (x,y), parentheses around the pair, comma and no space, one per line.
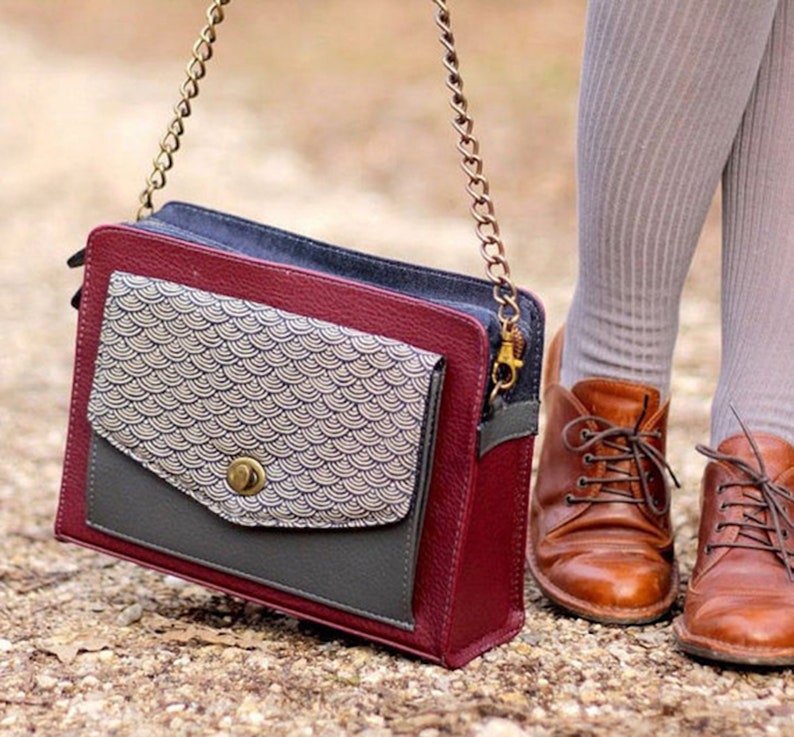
(488,602)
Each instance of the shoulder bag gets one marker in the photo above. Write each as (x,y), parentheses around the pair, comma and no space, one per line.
(341,437)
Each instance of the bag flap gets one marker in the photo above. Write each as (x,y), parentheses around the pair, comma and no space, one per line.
(265,417)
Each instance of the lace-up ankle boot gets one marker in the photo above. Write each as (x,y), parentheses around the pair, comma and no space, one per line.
(740,599)
(601,544)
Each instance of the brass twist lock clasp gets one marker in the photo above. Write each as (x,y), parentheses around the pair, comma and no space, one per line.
(246,476)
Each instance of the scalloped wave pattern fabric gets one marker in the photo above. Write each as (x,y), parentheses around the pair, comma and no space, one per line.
(187,381)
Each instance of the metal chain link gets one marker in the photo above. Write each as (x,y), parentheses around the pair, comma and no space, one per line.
(482,209)
(505,293)
(170,142)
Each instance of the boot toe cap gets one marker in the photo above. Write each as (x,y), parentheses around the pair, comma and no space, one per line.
(613,586)
(737,624)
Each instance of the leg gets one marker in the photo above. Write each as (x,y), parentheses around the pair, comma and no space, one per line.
(757,373)
(740,600)
(664,86)
(663,91)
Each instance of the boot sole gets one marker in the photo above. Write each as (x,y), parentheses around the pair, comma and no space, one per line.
(724,652)
(603,615)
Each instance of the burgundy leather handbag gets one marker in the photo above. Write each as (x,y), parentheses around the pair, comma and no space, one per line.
(341,437)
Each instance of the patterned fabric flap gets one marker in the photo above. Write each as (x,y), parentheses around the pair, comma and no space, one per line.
(265,417)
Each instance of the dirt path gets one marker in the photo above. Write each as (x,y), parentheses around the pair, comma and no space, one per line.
(91,646)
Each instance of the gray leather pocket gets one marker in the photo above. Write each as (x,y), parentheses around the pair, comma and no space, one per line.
(281,448)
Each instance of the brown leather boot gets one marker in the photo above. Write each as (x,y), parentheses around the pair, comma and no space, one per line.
(740,600)
(601,544)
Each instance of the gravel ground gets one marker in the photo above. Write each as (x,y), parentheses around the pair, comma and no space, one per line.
(92,646)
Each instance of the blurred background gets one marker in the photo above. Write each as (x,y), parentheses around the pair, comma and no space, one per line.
(328,117)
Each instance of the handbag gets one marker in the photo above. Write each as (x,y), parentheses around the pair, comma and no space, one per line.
(340,437)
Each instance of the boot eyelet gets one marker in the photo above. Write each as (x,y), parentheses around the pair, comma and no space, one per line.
(588,459)
(784,534)
(569,499)
(585,435)
(708,550)
(719,527)
(723,507)
(581,482)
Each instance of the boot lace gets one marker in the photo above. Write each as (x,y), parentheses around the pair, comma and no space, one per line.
(766,523)
(626,444)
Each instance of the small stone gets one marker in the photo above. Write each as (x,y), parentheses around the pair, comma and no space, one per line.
(570,709)
(500,728)
(175,582)
(130,615)
(6,646)
(516,698)
(46,683)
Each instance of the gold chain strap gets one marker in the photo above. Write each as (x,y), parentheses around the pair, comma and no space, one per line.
(508,360)
(169,143)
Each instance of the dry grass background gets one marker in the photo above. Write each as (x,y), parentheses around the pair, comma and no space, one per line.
(329,118)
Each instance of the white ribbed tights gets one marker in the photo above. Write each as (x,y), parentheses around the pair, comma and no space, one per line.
(675,96)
